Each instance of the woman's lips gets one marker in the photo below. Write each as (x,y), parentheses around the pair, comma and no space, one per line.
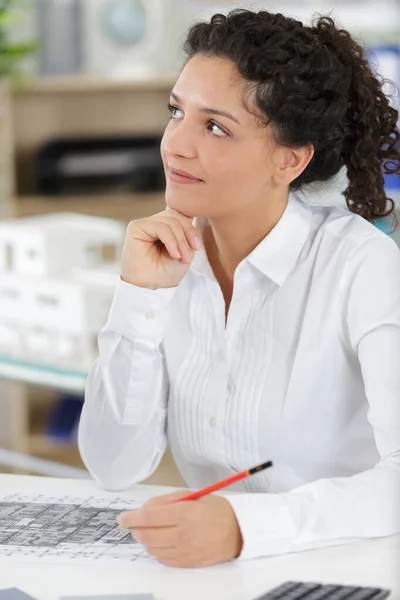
(182,178)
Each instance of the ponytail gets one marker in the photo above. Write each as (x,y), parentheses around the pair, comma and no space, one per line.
(371,135)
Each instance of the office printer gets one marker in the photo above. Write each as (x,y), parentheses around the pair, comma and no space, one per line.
(98,165)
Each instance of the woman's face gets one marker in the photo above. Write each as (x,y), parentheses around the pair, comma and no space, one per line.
(230,153)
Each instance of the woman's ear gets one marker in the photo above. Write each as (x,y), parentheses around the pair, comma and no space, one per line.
(291,162)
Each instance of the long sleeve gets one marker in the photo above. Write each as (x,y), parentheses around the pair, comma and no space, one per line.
(122,428)
(340,510)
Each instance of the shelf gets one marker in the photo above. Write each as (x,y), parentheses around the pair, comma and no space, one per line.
(43,375)
(117,206)
(83,83)
(35,112)
(66,453)
(41,444)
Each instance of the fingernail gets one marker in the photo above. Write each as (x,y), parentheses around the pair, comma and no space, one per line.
(197,243)
(178,254)
(120,519)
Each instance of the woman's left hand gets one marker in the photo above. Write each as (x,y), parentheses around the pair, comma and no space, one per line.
(194,533)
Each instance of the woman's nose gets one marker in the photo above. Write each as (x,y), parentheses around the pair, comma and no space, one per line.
(178,140)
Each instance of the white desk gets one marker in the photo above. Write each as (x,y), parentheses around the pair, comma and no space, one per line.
(374,563)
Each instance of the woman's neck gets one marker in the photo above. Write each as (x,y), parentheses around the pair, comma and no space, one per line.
(229,240)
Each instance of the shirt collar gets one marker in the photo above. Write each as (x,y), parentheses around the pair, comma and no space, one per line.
(276,255)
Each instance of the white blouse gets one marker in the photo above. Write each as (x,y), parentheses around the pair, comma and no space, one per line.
(305,372)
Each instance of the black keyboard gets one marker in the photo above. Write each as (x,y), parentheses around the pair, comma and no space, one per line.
(296,590)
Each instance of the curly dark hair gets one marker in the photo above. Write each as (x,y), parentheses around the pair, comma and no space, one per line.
(315,86)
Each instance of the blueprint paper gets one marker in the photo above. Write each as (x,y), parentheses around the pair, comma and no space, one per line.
(66,528)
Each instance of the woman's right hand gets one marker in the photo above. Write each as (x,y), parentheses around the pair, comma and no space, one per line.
(158,250)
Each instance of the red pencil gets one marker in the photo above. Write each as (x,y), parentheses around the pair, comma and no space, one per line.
(224,482)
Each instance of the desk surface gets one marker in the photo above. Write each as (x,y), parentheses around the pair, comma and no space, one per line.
(371,563)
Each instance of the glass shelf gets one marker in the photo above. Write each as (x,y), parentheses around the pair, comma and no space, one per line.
(42,374)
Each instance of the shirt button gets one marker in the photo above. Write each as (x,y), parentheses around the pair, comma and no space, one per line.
(151,314)
(212,421)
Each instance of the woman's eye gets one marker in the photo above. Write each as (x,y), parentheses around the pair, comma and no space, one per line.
(172,109)
(215,129)
(221,133)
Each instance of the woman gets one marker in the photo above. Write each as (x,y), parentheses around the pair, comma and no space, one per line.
(265,329)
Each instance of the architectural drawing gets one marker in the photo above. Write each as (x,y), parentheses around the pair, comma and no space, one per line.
(60,528)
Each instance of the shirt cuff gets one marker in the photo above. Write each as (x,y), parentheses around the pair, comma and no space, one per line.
(265,522)
(138,312)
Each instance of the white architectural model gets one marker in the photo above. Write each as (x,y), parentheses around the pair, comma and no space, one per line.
(58,274)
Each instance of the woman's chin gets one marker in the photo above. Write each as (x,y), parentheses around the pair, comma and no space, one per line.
(185,207)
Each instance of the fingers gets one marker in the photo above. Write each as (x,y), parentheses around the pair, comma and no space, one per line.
(179,239)
(184,238)
(174,557)
(175,244)
(150,516)
(151,230)
(156,512)
(186,534)
(167,498)
(157,537)
(166,558)
(191,233)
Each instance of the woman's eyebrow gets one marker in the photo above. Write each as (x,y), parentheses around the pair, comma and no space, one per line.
(213,111)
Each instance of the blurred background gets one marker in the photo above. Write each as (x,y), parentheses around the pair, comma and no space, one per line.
(84,86)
